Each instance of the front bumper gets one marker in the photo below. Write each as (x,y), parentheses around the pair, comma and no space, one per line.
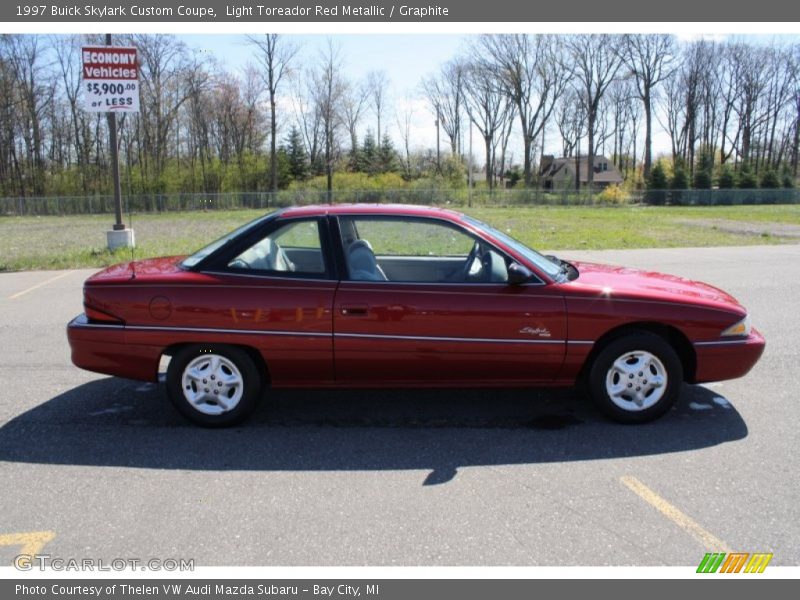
(718,360)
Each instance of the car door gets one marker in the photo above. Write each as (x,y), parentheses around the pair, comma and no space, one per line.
(275,290)
(424,314)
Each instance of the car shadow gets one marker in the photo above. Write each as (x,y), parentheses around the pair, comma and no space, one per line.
(116,422)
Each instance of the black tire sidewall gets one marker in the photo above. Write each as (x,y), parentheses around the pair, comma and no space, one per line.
(649,342)
(250,375)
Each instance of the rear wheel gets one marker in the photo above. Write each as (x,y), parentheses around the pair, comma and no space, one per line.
(213,385)
(636,378)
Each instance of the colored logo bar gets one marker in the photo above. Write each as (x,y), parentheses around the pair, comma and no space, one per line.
(734,562)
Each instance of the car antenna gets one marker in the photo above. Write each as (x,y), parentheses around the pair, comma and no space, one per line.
(133,242)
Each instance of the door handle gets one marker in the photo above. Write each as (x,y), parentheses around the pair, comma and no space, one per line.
(354,311)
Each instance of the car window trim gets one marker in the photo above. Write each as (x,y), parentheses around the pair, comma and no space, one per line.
(220,265)
(255,274)
(449,283)
(474,234)
(211,259)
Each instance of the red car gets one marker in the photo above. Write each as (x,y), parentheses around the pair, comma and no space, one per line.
(391,296)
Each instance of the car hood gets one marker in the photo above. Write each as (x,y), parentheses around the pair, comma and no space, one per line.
(649,285)
(148,268)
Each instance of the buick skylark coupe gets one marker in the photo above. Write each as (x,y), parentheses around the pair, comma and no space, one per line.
(386,296)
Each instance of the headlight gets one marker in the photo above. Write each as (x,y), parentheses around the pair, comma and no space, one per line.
(741,328)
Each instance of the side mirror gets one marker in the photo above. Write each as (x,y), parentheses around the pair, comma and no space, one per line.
(518,274)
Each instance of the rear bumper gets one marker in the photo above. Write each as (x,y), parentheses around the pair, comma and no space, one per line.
(105,349)
(727,359)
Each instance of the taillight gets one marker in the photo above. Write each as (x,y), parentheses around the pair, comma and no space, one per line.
(96,315)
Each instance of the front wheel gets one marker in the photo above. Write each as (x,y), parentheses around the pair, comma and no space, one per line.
(636,378)
(213,385)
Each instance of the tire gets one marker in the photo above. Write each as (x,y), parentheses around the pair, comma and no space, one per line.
(213,385)
(636,378)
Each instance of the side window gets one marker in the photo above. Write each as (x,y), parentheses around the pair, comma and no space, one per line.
(417,250)
(292,249)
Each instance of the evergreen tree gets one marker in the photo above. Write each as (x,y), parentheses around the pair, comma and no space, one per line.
(368,157)
(354,157)
(387,156)
(727,178)
(656,184)
(513,176)
(658,178)
(770,179)
(678,183)
(747,179)
(787,180)
(296,155)
(703,170)
(284,166)
(680,180)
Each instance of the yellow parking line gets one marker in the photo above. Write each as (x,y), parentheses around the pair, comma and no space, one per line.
(684,521)
(38,285)
(30,543)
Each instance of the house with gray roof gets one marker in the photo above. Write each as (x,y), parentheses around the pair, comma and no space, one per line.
(559,173)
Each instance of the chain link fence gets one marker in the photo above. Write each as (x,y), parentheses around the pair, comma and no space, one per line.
(171,202)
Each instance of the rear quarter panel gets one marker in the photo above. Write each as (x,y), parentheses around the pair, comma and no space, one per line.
(288,321)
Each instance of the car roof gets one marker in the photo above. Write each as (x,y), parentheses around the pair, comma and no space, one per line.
(407,210)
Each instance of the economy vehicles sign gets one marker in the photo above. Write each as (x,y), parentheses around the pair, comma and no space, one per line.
(110,79)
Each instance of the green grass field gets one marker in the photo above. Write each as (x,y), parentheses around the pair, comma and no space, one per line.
(79,241)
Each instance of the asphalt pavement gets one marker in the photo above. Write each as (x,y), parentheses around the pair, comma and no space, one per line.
(94,466)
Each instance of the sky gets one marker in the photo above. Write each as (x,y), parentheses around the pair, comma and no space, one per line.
(406,58)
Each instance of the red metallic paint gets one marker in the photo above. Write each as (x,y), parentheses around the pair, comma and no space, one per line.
(647,285)
(419,334)
(720,362)
(403,313)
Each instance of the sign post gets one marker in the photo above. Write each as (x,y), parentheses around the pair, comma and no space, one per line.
(111,85)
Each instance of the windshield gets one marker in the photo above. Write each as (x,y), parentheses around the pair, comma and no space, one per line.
(194,259)
(548,266)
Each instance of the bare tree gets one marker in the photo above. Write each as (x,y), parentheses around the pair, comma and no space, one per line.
(239,123)
(673,109)
(732,100)
(354,102)
(649,59)
(751,82)
(200,117)
(533,74)
(624,111)
(597,61)
(308,121)
(795,152)
(570,118)
(11,175)
(327,90)
(487,106)
(405,118)
(67,49)
(693,76)
(726,76)
(777,104)
(165,67)
(276,55)
(503,139)
(34,93)
(445,92)
(377,86)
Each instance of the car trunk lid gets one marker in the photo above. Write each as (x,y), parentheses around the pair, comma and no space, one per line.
(147,268)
